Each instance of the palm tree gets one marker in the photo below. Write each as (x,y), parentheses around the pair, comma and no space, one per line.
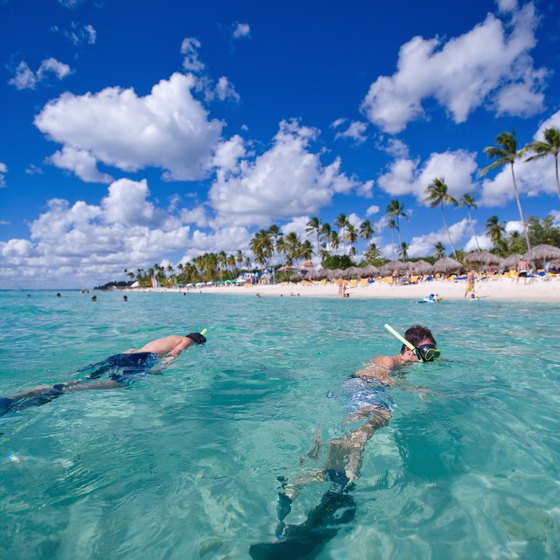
(438,196)
(366,230)
(334,240)
(469,202)
(351,237)
(274,234)
(403,251)
(439,250)
(306,250)
(392,225)
(314,225)
(506,153)
(550,146)
(396,210)
(495,230)
(293,248)
(261,245)
(342,222)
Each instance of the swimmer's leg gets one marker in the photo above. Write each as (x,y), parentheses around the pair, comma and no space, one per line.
(345,453)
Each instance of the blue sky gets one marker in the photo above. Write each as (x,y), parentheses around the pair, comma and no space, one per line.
(138,132)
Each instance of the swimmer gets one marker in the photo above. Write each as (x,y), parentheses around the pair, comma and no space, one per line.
(370,405)
(121,369)
(125,298)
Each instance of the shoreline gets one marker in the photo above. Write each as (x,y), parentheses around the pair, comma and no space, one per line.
(490,290)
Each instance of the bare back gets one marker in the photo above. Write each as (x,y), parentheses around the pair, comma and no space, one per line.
(163,346)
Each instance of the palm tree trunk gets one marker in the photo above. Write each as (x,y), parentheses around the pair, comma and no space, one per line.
(557,180)
(447,229)
(472,227)
(399,232)
(520,209)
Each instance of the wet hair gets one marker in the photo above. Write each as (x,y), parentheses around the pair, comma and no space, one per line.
(416,335)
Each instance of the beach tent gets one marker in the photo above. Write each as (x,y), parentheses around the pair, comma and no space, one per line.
(135,284)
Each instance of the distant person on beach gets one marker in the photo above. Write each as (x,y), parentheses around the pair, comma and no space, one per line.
(522,270)
(340,283)
(469,288)
(121,371)
(370,406)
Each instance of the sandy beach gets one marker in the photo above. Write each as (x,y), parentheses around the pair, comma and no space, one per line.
(493,290)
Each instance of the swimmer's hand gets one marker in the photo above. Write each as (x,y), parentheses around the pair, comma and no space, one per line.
(197,338)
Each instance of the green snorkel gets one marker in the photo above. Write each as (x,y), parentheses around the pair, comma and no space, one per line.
(425,353)
(203,332)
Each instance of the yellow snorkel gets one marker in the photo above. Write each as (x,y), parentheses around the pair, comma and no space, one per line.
(203,332)
(425,353)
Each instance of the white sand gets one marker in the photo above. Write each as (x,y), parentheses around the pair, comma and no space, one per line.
(502,289)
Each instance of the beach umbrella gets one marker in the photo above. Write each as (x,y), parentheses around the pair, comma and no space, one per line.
(285,268)
(542,253)
(335,273)
(387,269)
(482,257)
(447,265)
(296,277)
(422,267)
(511,261)
(320,274)
(352,272)
(370,270)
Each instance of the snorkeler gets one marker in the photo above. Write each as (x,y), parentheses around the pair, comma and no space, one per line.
(369,404)
(121,369)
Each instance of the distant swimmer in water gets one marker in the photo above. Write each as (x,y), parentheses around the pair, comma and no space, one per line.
(121,371)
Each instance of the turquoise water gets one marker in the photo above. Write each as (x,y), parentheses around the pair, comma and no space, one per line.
(185,465)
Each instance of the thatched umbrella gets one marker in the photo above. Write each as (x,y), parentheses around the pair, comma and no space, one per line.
(511,261)
(542,253)
(482,257)
(296,277)
(422,267)
(387,269)
(335,273)
(447,265)
(351,272)
(370,270)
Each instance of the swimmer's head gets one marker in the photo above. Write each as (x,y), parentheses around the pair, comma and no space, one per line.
(419,337)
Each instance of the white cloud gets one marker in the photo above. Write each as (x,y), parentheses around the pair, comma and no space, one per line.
(82,244)
(225,90)
(514,226)
(3,171)
(189,48)
(33,170)
(405,176)
(71,4)
(25,78)
(374,209)
(195,216)
(484,242)
(337,123)
(462,74)
(78,34)
(423,245)
(355,132)
(168,128)
(533,178)
(81,162)
(298,226)
(241,31)
(505,6)
(228,153)
(286,181)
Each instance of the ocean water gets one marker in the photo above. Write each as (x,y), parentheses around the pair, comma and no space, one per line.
(187,464)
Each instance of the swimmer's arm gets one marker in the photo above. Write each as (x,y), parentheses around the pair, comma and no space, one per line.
(176,352)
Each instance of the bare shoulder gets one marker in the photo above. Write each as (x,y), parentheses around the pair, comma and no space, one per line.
(379,367)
